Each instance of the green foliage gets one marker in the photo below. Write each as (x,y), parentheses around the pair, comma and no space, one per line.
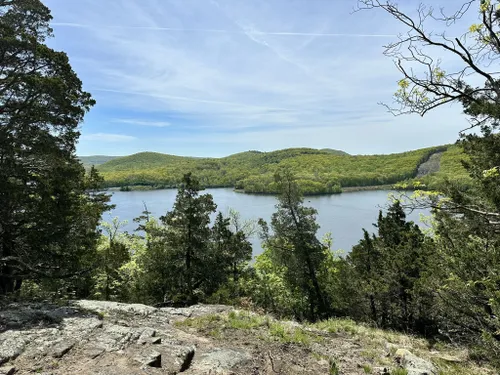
(463,272)
(246,320)
(294,247)
(48,220)
(385,272)
(186,237)
(333,367)
(289,335)
(316,171)
(451,169)
(368,369)
(112,254)
(181,259)
(268,289)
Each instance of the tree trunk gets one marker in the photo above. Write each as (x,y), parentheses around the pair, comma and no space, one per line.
(319,295)
(7,280)
(373,308)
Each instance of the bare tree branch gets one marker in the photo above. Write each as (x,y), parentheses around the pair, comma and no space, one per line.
(432,87)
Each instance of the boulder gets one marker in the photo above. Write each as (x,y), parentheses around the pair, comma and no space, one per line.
(149,359)
(220,361)
(413,364)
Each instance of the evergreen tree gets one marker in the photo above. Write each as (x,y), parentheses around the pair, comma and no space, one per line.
(294,245)
(187,240)
(149,272)
(231,253)
(48,221)
(466,276)
(389,267)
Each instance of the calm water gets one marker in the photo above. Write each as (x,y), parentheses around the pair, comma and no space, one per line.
(343,215)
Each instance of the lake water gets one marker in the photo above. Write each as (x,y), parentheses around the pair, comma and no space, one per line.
(343,215)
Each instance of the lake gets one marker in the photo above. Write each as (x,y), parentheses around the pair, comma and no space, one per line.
(343,215)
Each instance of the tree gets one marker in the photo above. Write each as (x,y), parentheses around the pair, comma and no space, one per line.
(388,269)
(294,245)
(112,254)
(231,253)
(419,53)
(149,274)
(187,238)
(466,278)
(48,222)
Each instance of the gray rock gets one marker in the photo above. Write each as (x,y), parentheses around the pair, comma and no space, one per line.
(61,348)
(8,370)
(194,311)
(177,358)
(413,364)
(220,361)
(149,359)
(450,358)
(146,336)
(155,340)
(93,352)
(106,306)
(12,345)
(381,371)
(114,337)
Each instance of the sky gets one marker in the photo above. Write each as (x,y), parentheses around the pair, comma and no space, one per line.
(216,77)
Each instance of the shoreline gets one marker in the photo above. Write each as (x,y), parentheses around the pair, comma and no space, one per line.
(347,189)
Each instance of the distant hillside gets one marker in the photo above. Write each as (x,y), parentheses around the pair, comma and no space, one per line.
(333,151)
(318,171)
(96,160)
(451,168)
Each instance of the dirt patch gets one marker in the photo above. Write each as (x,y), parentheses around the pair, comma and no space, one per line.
(432,165)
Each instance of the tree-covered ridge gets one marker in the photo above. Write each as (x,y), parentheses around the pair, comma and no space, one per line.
(318,171)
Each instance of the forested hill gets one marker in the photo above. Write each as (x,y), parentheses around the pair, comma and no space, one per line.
(318,171)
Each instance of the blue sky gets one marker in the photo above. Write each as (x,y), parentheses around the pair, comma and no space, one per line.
(215,77)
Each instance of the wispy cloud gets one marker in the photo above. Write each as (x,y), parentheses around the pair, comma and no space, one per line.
(155,124)
(261,32)
(107,137)
(235,72)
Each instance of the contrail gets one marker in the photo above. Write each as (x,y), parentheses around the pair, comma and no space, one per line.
(222,31)
(187,99)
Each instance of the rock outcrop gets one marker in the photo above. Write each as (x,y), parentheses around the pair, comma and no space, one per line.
(95,337)
(109,338)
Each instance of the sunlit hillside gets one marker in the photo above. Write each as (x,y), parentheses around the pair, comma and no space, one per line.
(318,171)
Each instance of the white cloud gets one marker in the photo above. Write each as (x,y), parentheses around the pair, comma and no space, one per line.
(230,63)
(155,124)
(281,68)
(107,137)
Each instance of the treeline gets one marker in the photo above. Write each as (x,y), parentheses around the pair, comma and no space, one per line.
(443,284)
(317,171)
